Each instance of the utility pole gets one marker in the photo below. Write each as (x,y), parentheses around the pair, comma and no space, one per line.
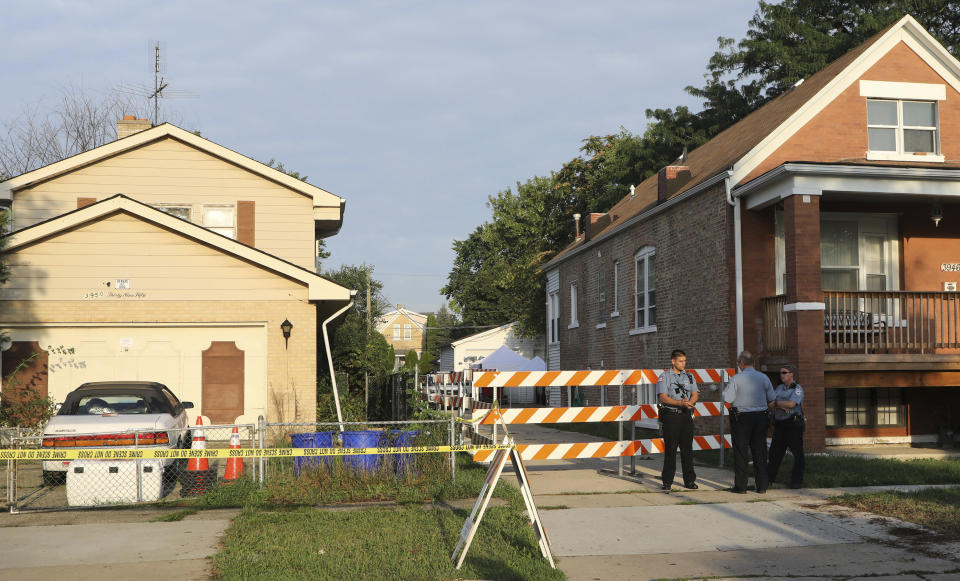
(366,377)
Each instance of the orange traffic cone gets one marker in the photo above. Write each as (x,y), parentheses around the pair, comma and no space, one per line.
(199,476)
(199,443)
(234,465)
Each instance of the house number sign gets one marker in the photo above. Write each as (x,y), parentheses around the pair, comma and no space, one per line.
(950,267)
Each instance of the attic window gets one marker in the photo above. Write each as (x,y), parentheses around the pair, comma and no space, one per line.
(903,121)
(902,129)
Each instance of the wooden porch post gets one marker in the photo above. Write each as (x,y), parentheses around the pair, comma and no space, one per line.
(804,308)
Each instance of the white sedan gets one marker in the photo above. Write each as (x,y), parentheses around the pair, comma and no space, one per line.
(125,414)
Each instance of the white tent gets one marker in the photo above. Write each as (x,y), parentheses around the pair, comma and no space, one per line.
(506,359)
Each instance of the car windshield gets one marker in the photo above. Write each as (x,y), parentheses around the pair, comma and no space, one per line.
(96,405)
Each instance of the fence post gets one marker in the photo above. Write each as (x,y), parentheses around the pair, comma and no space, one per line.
(453,456)
(261,428)
(723,413)
(620,429)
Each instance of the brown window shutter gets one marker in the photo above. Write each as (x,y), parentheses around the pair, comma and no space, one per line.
(81,202)
(245,222)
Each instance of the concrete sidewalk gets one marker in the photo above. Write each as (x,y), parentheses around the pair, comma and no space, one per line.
(605,527)
(109,544)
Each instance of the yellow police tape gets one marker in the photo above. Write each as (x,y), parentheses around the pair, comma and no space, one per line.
(168,454)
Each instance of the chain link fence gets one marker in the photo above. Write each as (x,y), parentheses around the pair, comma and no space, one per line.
(33,485)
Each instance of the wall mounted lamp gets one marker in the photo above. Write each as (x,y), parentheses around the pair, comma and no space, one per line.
(286,326)
(936,214)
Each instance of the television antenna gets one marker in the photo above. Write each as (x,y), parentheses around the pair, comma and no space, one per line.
(160,89)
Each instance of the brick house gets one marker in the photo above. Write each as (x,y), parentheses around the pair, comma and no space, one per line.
(163,256)
(823,229)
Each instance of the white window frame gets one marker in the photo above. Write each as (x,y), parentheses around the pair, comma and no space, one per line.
(602,292)
(574,318)
(220,229)
(616,287)
(900,154)
(641,262)
(407,332)
(553,317)
(396,332)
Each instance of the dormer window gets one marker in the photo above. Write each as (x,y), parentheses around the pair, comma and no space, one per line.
(903,120)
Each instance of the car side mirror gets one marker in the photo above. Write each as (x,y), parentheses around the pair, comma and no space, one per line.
(187,405)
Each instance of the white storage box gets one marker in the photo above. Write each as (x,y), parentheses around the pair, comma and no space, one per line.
(96,482)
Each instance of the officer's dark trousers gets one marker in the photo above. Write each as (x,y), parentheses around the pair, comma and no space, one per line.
(749,432)
(677,431)
(787,434)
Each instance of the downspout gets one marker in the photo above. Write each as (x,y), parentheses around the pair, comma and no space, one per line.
(737,258)
(326,347)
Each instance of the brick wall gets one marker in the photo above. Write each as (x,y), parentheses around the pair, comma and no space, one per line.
(692,291)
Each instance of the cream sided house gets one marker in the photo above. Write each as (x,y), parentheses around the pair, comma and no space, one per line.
(163,256)
(404,330)
(821,230)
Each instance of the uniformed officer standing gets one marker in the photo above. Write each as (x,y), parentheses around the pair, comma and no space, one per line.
(750,392)
(788,426)
(677,393)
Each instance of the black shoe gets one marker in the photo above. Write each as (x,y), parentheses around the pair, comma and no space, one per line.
(736,490)
(691,486)
(761,491)
(796,486)
(665,486)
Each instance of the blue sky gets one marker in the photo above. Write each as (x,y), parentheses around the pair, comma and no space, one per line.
(415,112)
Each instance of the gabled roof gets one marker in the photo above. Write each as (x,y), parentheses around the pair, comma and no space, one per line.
(419,320)
(320,197)
(742,147)
(483,334)
(319,288)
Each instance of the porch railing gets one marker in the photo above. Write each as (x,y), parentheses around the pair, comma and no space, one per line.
(875,322)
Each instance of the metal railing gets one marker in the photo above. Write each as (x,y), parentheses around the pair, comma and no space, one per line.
(875,322)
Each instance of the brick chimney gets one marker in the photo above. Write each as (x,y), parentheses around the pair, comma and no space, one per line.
(670,180)
(595,222)
(130,125)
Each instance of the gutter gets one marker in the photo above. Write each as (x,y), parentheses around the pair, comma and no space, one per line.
(737,257)
(326,347)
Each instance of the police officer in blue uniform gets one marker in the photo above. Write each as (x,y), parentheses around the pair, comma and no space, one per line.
(677,393)
(788,426)
(750,392)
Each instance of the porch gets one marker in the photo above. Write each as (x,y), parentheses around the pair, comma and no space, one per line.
(875,322)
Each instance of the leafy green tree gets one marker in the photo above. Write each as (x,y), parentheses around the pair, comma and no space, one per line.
(791,40)
(357,349)
(411,360)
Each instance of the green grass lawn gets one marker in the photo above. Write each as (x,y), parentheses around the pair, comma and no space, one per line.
(282,535)
(937,509)
(410,542)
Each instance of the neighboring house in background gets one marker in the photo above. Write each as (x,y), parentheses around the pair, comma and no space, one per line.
(460,354)
(165,257)
(404,330)
(821,230)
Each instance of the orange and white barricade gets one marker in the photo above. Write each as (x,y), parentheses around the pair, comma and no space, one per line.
(618,413)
